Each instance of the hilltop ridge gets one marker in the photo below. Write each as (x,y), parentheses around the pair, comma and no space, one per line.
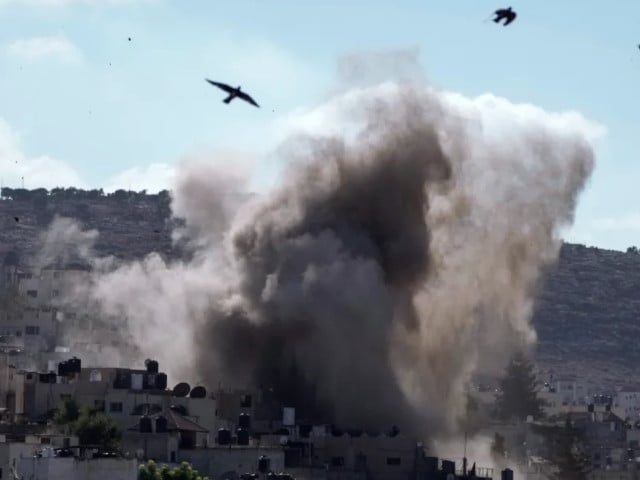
(586,312)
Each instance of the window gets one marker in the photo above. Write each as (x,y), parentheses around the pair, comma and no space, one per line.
(337,461)
(45,441)
(56,274)
(393,460)
(115,407)
(245,401)
(32,293)
(55,293)
(30,330)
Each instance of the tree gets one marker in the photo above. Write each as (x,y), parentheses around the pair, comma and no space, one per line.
(150,471)
(93,428)
(518,397)
(67,412)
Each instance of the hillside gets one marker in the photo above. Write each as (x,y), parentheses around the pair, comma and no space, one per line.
(586,315)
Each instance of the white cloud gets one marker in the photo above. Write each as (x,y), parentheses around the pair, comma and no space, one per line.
(40,171)
(153,178)
(56,47)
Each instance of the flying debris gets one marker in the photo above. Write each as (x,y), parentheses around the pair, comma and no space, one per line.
(17,219)
(129,38)
(233,93)
(505,13)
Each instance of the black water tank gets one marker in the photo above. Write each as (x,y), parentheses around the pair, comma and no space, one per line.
(161,381)
(507,474)
(149,381)
(448,467)
(431,464)
(75,365)
(305,431)
(145,425)
(590,408)
(244,421)
(608,407)
(123,379)
(264,463)
(224,436)
(161,424)
(198,392)
(243,436)
(53,378)
(63,369)
(152,366)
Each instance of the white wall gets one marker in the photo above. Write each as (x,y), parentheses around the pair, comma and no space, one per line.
(74,469)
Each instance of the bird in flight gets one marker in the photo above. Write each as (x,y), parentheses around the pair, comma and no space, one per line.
(505,13)
(233,93)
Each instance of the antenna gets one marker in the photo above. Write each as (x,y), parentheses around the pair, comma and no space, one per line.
(464,459)
(22,182)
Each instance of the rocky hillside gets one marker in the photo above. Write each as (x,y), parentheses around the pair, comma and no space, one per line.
(588,310)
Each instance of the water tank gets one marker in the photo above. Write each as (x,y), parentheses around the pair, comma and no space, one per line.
(63,369)
(149,381)
(75,365)
(161,381)
(161,424)
(244,421)
(123,379)
(507,474)
(181,390)
(198,392)
(152,366)
(224,436)
(431,465)
(243,436)
(608,407)
(448,467)
(590,408)
(145,425)
(264,463)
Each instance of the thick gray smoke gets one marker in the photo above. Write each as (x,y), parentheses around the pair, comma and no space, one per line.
(399,254)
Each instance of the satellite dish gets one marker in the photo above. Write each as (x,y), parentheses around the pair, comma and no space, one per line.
(181,390)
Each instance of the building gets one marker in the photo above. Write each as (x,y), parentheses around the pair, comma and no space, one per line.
(49,467)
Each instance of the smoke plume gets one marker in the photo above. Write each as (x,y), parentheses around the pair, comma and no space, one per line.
(399,254)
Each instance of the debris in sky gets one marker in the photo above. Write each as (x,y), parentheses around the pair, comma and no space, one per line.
(129,38)
(233,93)
(505,13)
(17,219)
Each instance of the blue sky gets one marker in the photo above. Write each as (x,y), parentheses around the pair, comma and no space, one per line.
(84,105)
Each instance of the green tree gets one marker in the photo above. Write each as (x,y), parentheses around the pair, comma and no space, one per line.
(518,396)
(67,412)
(150,471)
(93,428)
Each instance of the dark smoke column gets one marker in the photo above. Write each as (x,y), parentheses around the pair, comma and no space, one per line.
(326,265)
